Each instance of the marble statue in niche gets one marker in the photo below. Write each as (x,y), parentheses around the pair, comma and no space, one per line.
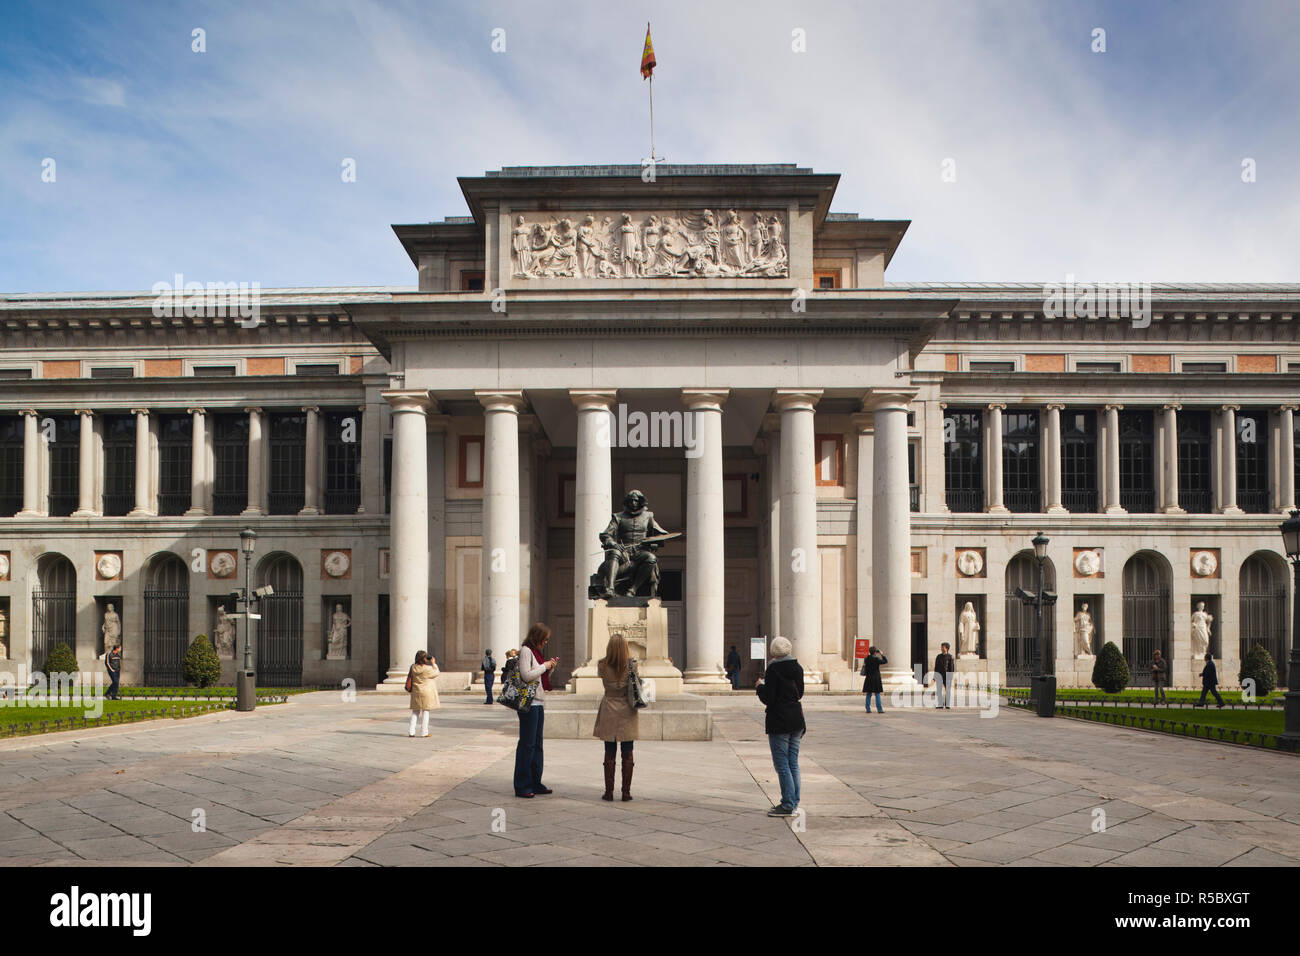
(1083,630)
(337,643)
(1201,621)
(968,626)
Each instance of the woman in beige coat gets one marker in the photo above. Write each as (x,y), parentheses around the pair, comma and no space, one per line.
(616,719)
(424,691)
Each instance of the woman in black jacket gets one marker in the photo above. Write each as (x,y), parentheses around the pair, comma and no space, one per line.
(873,684)
(780,689)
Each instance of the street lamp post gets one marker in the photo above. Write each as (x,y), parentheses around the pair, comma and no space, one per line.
(1043,691)
(1291,544)
(246,681)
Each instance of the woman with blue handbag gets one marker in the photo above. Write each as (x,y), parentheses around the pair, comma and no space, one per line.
(528,752)
(616,721)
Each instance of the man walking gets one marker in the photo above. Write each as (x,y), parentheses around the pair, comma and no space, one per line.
(1209,681)
(489,666)
(1159,672)
(733,668)
(944,666)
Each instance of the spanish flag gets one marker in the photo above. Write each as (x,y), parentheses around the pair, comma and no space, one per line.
(648,56)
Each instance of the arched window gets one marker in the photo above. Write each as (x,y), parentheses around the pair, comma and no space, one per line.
(166,621)
(54,608)
(279,632)
(1021,650)
(1263,609)
(1146,616)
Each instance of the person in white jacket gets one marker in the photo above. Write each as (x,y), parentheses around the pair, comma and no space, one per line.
(533,666)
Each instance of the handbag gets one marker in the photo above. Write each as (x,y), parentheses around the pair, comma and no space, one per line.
(408,680)
(516,693)
(635,686)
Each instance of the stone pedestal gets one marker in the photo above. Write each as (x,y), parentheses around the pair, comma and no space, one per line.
(645,625)
(676,717)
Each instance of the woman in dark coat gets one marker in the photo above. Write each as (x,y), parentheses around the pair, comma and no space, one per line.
(873,684)
(781,689)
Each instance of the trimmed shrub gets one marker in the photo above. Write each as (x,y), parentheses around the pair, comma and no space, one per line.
(1259,666)
(1110,673)
(61,661)
(202,667)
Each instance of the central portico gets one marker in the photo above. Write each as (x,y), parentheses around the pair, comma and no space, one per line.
(575,297)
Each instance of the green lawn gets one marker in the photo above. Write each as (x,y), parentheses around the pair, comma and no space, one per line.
(1143,694)
(1253,721)
(14,718)
(214,691)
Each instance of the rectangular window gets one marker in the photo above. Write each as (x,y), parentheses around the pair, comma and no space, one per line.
(1195,367)
(322,369)
(1195,491)
(112,371)
(1021,481)
(119,464)
(287,492)
(11,465)
(913,486)
(963,465)
(1137,488)
(1079,461)
(1096,366)
(827,278)
(471,281)
(230,463)
(342,462)
(215,371)
(471,461)
(175,455)
(388,476)
(1252,460)
(64,452)
(992,366)
(23,373)
(830,459)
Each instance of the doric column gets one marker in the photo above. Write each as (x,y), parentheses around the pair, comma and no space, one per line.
(198,463)
(31,464)
(1169,471)
(499,625)
(865,424)
(86,465)
(993,456)
(1111,459)
(409,534)
(311,467)
(1286,451)
(801,609)
(1053,489)
(891,534)
(143,472)
(592,503)
(256,484)
(1226,455)
(705,564)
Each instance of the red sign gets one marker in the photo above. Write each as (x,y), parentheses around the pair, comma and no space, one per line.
(861,647)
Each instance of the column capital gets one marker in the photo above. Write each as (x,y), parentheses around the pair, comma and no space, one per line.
(1280,408)
(1113,405)
(90,412)
(409,399)
(705,399)
(197,411)
(895,399)
(1173,406)
(999,406)
(593,399)
(29,411)
(140,411)
(1055,406)
(253,409)
(311,408)
(501,401)
(792,399)
(863,422)
(1229,407)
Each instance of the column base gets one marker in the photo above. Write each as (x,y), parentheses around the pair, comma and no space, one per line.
(394,682)
(896,680)
(1057,510)
(196,513)
(258,513)
(79,513)
(999,510)
(29,514)
(1173,510)
(141,513)
(1115,510)
(310,510)
(1232,510)
(704,676)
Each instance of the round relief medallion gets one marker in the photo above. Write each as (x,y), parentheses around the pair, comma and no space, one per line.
(1087,563)
(337,564)
(1204,563)
(4,566)
(108,565)
(222,564)
(970,563)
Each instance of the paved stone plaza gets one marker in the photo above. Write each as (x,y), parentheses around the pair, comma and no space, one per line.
(319,781)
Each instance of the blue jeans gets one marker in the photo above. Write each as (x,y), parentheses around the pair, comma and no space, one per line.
(114,677)
(528,752)
(785,758)
(875,694)
(488,678)
(942,691)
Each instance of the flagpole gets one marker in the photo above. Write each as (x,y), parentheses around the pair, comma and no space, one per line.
(652,118)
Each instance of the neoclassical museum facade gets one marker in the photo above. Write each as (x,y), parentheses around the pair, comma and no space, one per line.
(846,457)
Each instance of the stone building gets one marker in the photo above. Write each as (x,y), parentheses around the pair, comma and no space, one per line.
(846,456)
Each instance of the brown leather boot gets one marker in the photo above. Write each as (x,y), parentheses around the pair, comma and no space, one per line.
(627,777)
(609,779)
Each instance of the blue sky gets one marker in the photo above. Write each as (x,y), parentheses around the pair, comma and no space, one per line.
(225,165)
